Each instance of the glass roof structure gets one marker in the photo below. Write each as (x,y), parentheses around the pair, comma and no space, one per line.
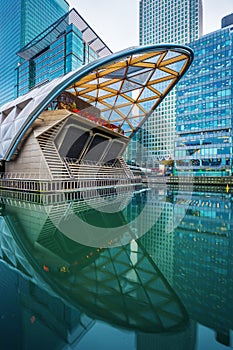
(126,87)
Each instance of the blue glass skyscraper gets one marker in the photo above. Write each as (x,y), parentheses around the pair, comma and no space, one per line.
(203,143)
(20,22)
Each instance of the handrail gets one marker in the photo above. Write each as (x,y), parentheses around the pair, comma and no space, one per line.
(36,176)
(21,176)
(89,162)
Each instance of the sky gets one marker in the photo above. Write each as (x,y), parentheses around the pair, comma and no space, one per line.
(116,22)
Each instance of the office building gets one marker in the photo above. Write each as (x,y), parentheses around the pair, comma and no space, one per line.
(165,21)
(203,143)
(21,21)
(61,48)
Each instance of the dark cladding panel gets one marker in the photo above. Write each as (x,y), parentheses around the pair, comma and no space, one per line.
(115,150)
(74,142)
(97,148)
(227,20)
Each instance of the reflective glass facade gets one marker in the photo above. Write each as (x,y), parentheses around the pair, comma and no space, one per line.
(61,48)
(21,21)
(172,22)
(203,144)
(64,55)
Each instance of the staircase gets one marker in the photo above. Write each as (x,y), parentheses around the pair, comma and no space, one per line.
(93,171)
(58,168)
(47,235)
(126,168)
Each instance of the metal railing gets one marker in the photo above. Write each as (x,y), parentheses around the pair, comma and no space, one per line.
(69,185)
(90,163)
(22,176)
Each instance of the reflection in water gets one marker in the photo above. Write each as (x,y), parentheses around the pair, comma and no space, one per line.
(120,285)
(159,286)
(197,256)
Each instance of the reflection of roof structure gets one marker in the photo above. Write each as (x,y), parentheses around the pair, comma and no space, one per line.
(35,296)
(50,34)
(120,285)
(125,287)
(126,87)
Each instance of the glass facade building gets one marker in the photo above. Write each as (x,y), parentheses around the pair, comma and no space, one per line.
(21,21)
(58,50)
(203,144)
(172,22)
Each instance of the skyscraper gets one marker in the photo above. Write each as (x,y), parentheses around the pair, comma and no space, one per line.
(61,48)
(20,22)
(203,144)
(167,21)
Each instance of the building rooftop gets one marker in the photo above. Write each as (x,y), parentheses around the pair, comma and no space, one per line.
(44,39)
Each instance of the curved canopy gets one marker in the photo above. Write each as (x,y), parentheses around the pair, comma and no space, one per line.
(126,87)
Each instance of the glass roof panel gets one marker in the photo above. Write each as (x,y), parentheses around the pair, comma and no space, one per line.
(136,121)
(102,93)
(161,87)
(148,104)
(146,93)
(117,74)
(132,70)
(128,96)
(159,74)
(143,57)
(104,79)
(92,93)
(125,110)
(110,100)
(106,114)
(153,59)
(78,89)
(172,54)
(135,111)
(122,100)
(126,127)
(116,85)
(177,66)
(141,78)
(115,115)
(129,86)
(118,120)
(145,106)
(136,94)
(99,105)
(92,82)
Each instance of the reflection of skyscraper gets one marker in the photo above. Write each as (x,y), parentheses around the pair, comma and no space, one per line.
(159,240)
(203,246)
(201,257)
(185,340)
(21,21)
(173,22)
(36,317)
